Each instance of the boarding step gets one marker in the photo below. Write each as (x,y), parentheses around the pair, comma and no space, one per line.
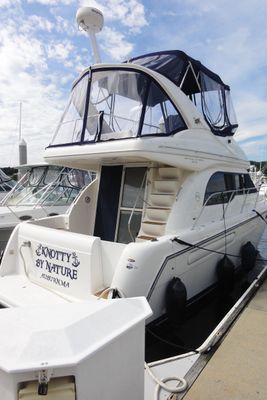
(166,186)
(158,200)
(144,238)
(153,228)
(169,173)
(157,214)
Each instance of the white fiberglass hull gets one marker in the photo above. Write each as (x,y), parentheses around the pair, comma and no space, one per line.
(196,267)
(75,266)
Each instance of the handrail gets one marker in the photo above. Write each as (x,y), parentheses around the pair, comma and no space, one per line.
(230,194)
(134,207)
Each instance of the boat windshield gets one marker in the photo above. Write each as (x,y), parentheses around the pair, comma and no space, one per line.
(121,104)
(6,183)
(48,186)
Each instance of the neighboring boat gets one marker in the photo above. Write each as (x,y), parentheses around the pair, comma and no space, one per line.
(43,190)
(259,179)
(6,184)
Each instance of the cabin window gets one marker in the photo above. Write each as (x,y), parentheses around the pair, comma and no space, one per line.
(131,204)
(215,187)
(223,186)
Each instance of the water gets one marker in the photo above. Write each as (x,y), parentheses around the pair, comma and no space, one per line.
(167,339)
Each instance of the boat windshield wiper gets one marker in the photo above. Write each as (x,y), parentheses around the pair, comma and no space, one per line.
(99,125)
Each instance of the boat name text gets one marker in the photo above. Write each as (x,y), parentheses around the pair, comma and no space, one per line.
(50,260)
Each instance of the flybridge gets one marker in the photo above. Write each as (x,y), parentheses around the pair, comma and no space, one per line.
(123,101)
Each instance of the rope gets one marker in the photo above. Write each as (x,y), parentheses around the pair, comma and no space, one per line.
(169,342)
(161,383)
(211,251)
(108,290)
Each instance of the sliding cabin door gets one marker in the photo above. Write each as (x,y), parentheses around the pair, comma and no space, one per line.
(120,203)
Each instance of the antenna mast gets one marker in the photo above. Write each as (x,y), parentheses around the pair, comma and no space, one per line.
(91,20)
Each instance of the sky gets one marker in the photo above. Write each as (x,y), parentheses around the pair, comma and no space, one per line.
(42,52)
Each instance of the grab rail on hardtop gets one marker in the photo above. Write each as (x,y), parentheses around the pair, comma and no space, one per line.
(227,195)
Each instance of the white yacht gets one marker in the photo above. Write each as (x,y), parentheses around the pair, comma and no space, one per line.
(172,192)
(172,198)
(43,190)
(6,184)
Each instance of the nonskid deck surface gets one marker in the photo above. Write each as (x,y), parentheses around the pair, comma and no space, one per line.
(237,370)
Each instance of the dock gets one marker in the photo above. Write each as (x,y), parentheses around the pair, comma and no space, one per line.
(238,368)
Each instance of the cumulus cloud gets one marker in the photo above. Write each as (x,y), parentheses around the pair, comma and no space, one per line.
(6,3)
(52,2)
(59,50)
(37,23)
(25,77)
(115,44)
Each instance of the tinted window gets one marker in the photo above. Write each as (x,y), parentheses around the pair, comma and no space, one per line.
(217,185)
(223,186)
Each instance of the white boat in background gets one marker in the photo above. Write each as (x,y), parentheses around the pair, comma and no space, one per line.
(42,191)
(6,184)
(259,179)
(172,201)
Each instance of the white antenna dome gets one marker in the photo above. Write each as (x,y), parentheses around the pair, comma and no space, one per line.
(90,19)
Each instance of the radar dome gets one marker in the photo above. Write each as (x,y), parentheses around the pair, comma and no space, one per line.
(90,19)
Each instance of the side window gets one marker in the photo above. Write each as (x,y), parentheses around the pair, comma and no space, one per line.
(230,183)
(216,185)
(161,117)
(249,184)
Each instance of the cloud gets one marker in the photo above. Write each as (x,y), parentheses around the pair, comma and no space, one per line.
(115,44)
(37,23)
(25,77)
(52,2)
(7,3)
(59,50)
